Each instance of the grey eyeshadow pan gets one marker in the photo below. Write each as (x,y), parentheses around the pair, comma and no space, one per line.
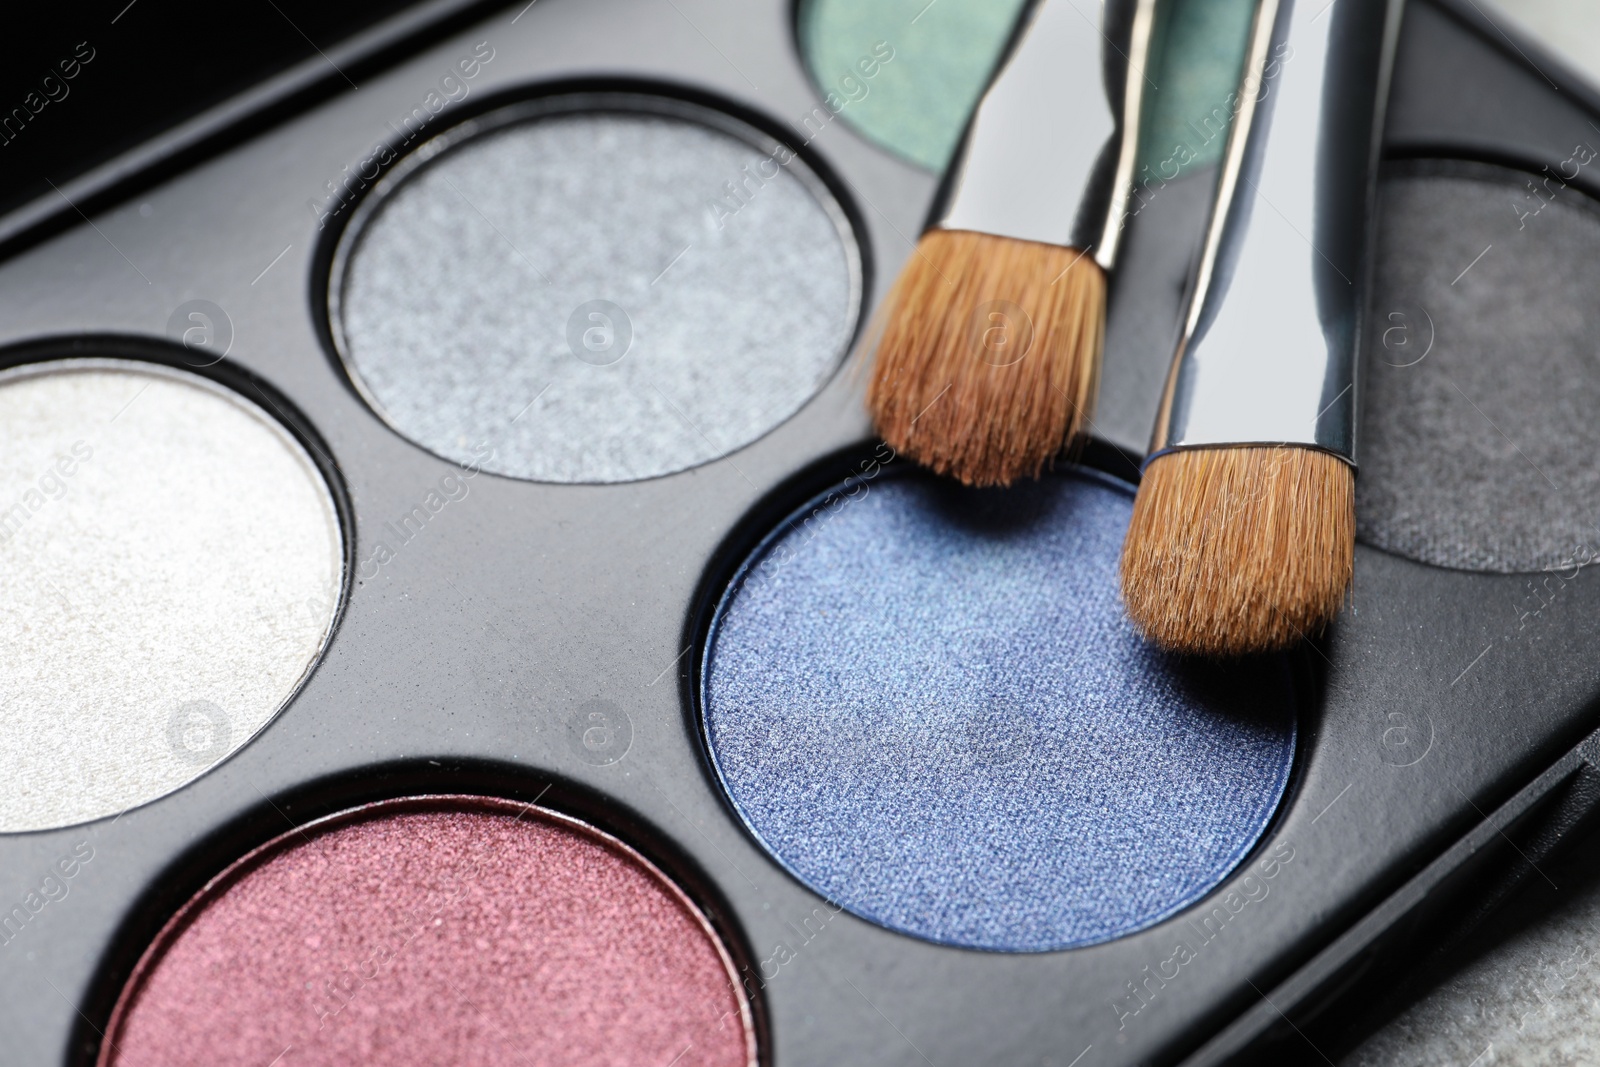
(600,289)
(1481,422)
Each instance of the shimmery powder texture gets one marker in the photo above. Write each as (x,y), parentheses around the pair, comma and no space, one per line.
(447,936)
(601,297)
(924,80)
(927,703)
(170,563)
(1479,434)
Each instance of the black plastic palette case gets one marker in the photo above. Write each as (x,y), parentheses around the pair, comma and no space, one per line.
(457,609)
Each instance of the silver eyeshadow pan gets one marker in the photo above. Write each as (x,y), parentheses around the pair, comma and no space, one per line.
(599,287)
(173,561)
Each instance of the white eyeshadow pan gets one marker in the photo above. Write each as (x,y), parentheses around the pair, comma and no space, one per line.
(601,289)
(171,563)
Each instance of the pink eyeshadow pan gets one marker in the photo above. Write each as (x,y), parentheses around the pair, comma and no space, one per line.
(436,930)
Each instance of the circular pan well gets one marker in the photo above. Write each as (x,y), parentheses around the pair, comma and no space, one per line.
(177,558)
(594,287)
(436,929)
(1480,386)
(926,703)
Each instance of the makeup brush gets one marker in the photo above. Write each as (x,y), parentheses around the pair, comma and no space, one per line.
(1243,532)
(990,350)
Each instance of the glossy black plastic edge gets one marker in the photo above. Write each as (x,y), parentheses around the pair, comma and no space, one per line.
(1434,160)
(1267,1034)
(1523,68)
(383,45)
(836,472)
(324,259)
(1528,53)
(1543,825)
(186,874)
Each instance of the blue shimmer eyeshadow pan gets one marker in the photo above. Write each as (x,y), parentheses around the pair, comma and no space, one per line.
(925,701)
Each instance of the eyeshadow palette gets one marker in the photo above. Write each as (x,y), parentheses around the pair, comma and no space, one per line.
(458,611)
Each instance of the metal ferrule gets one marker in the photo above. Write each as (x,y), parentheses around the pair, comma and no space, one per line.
(1268,348)
(1045,156)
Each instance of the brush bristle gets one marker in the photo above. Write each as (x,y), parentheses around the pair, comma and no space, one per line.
(1239,550)
(989,355)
